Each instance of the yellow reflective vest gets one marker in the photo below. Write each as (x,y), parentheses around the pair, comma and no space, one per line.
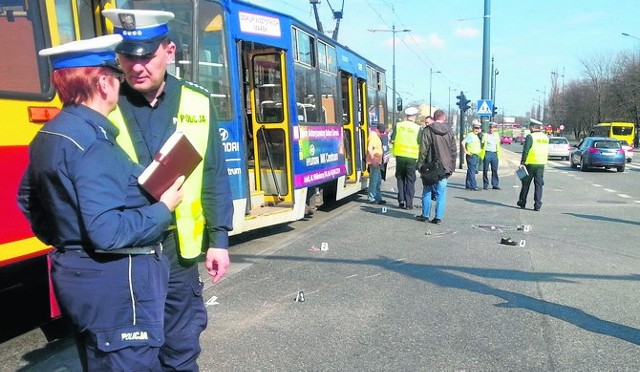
(539,150)
(406,142)
(193,120)
(473,146)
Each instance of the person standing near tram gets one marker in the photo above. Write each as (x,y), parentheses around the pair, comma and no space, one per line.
(472,148)
(490,155)
(406,145)
(81,196)
(153,105)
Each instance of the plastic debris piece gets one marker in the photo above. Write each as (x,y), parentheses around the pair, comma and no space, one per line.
(300,296)
(314,248)
(429,232)
(493,227)
(324,246)
(384,209)
(508,241)
(522,243)
(212,301)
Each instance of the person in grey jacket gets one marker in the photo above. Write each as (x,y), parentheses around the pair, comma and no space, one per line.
(440,136)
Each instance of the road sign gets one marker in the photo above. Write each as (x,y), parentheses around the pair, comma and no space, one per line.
(561,127)
(485,108)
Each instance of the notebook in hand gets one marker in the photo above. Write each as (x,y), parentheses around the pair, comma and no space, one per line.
(177,157)
(522,172)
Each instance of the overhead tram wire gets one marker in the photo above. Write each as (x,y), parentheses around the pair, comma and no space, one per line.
(428,63)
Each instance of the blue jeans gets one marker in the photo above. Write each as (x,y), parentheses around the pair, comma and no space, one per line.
(440,190)
(490,159)
(375,180)
(472,169)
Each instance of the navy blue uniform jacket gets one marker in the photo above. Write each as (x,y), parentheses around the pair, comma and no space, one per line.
(80,190)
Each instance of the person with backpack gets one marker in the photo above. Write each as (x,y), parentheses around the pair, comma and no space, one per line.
(437,140)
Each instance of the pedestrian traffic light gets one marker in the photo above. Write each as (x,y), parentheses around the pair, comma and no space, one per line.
(495,111)
(398,104)
(463,102)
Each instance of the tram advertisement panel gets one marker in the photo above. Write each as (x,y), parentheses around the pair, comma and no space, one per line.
(321,155)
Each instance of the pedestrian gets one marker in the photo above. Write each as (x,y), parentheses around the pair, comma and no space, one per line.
(472,148)
(490,155)
(80,194)
(534,157)
(406,143)
(375,161)
(153,104)
(439,136)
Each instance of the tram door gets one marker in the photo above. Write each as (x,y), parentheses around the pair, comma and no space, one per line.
(363,123)
(353,124)
(269,128)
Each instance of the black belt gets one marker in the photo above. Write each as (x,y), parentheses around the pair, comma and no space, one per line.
(148,249)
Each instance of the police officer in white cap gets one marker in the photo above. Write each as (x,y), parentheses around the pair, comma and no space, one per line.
(153,104)
(406,147)
(107,270)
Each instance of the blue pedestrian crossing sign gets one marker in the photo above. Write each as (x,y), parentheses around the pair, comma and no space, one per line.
(485,108)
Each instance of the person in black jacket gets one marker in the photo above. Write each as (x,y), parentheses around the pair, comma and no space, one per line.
(439,136)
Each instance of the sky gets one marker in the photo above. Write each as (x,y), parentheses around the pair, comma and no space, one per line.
(529,40)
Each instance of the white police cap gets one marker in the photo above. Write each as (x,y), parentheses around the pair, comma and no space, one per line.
(98,51)
(411,111)
(141,30)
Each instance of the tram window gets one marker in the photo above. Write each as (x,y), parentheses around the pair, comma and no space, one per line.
(85,19)
(346,99)
(64,15)
(213,72)
(268,88)
(306,93)
(22,36)
(305,47)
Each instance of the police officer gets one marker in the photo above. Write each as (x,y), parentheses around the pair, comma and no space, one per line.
(81,196)
(406,145)
(534,157)
(153,104)
(472,148)
(490,155)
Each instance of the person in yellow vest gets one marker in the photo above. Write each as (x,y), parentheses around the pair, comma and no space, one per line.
(406,146)
(534,157)
(490,155)
(153,105)
(472,148)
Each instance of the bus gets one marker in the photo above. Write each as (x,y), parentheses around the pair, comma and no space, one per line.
(294,110)
(618,130)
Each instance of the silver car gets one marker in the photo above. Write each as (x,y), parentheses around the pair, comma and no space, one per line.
(559,147)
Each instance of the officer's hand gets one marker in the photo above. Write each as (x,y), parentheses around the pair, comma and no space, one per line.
(174,194)
(217,262)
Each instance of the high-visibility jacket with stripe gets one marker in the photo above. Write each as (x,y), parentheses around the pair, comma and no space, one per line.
(473,146)
(193,120)
(406,142)
(539,150)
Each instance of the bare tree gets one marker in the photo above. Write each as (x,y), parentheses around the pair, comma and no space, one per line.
(598,73)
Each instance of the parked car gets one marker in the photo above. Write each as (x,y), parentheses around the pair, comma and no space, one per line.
(505,140)
(628,150)
(598,152)
(519,139)
(559,147)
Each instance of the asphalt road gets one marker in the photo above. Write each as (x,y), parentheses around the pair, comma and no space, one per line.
(392,293)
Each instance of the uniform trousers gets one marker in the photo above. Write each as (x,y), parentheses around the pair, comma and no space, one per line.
(536,174)
(406,178)
(490,160)
(472,169)
(115,303)
(185,315)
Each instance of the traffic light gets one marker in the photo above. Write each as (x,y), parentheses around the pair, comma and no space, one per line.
(495,111)
(398,104)
(463,102)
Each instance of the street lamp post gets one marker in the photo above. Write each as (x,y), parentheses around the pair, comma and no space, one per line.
(541,104)
(393,67)
(431,72)
(631,36)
